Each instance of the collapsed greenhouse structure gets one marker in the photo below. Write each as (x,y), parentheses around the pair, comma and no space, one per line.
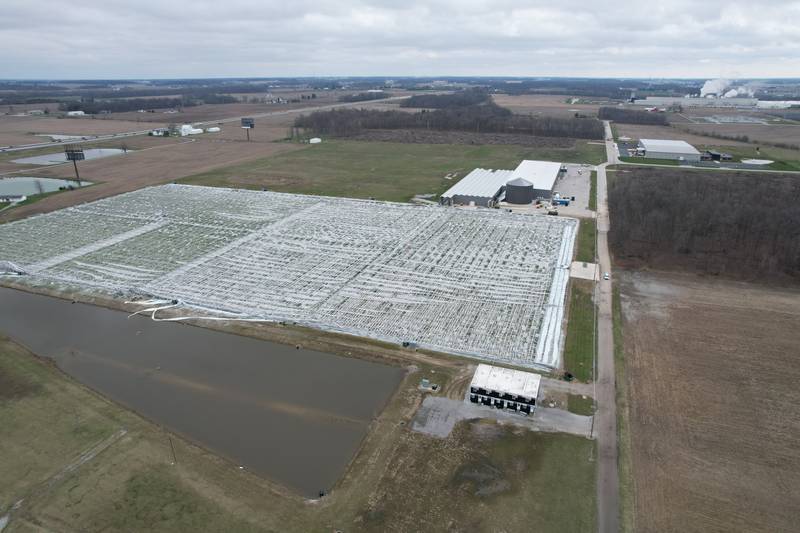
(481,283)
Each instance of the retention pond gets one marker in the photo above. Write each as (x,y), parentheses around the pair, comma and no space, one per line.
(294,416)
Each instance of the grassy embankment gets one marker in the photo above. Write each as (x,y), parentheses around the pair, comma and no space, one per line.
(579,347)
(580,342)
(645,161)
(586,241)
(400,480)
(623,435)
(580,405)
(381,170)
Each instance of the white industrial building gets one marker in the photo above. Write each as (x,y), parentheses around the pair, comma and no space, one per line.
(504,388)
(75,113)
(481,187)
(666,101)
(485,187)
(668,149)
(541,174)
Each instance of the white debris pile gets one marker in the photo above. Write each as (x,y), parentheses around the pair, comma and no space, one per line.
(482,283)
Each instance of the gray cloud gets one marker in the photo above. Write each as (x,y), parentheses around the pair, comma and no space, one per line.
(199,38)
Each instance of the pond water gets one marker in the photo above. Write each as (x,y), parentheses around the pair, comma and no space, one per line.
(30,185)
(60,157)
(294,416)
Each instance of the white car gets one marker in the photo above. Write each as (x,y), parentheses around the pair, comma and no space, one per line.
(606,276)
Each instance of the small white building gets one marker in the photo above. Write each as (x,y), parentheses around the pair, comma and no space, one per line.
(75,113)
(668,149)
(504,388)
(188,129)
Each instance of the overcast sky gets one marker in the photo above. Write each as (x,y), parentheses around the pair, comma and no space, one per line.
(263,38)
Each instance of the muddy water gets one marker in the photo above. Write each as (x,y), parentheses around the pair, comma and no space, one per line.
(294,416)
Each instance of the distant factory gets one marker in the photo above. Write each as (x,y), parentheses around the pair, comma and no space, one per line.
(530,181)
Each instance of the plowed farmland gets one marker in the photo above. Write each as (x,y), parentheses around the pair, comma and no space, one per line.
(711,371)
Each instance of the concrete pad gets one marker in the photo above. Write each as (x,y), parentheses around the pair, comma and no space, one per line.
(581,270)
(438,416)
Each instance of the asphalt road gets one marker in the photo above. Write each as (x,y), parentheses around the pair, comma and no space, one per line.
(605,421)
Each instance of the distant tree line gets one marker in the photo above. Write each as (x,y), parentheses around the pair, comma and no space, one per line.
(744,225)
(466,97)
(91,106)
(363,97)
(486,118)
(632,116)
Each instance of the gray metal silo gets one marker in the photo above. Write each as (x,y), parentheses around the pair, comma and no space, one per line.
(519,191)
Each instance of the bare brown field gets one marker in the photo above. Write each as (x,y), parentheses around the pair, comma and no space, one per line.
(211,112)
(642,131)
(124,173)
(544,104)
(772,133)
(21,130)
(711,373)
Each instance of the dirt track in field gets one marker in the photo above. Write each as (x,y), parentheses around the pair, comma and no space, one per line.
(712,372)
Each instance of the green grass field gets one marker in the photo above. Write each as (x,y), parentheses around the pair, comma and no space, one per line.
(579,347)
(586,241)
(593,191)
(384,171)
(579,405)
(645,161)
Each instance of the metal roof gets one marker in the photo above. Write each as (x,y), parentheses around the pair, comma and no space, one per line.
(541,174)
(671,146)
(519,182)
(507,380)
(481,182)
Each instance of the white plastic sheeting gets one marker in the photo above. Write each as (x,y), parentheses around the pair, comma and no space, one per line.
(486,283)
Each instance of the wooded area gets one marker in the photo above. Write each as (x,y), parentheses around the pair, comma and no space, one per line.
(737,224)
(123,105)
(364,97)
(484,118)
(463,98)
(632,116)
